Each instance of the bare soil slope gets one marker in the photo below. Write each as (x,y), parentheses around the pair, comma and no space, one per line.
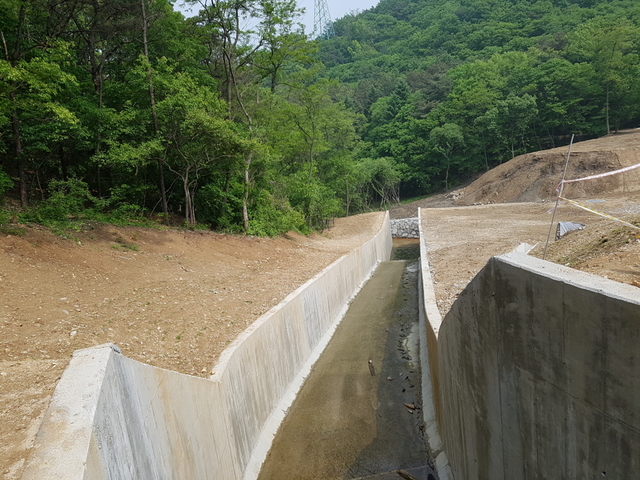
(172,299)
(462,237)
(534,177)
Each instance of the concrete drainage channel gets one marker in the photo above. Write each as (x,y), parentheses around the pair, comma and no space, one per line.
(359,413)
(114,417)
(525,348)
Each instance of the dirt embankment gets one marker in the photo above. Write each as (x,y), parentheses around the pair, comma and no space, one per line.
(172,299)
(534,177)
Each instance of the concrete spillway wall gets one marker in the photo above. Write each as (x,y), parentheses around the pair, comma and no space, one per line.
(113,417)
(534,373)
(430,322)
(539,374)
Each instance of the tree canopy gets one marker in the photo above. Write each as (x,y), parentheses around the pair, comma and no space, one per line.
(235,119)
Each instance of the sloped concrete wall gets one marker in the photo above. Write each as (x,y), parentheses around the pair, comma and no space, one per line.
(429,322)
(115,418)
(539,374)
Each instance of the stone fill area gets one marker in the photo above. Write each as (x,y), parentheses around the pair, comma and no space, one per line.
(405,228)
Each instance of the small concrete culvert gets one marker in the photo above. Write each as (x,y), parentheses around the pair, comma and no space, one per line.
(358,415)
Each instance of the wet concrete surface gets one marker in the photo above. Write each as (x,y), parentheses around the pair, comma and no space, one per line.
(358,415)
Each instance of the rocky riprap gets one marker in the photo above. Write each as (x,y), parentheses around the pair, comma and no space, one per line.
(405,228)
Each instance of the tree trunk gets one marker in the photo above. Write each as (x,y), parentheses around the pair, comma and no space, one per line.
(15,119)
(553,143)
(606,109)
(486,159)
(17,141)
(312,145)
(154,114)
(189,208)
(63,164)
(346,184)
(446,176)
(245,196)
(96,72)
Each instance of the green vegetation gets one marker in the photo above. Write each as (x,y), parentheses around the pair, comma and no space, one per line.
(450,88)
(126,112)
(128,246)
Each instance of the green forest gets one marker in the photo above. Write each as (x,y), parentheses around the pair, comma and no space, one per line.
(237,120)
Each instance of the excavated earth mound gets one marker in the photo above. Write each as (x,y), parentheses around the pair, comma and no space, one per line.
(534,177)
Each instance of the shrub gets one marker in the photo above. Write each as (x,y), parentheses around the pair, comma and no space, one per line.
(316,201)
(68,199)
(220,207)
(5,182)
(270,217)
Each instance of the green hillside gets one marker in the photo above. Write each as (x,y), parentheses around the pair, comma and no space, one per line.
(125,111)
(460,86)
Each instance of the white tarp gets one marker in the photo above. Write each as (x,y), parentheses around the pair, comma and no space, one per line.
(566,227)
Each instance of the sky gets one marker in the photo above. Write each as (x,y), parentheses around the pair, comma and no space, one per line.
(337,9)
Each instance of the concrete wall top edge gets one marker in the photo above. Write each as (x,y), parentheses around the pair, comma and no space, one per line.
(431,308)
(84,351)
(584,280)
(70,415)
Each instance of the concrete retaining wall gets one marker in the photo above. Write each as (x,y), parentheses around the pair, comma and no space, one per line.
(113,417)
(405,228)
(539,374)
(430,321)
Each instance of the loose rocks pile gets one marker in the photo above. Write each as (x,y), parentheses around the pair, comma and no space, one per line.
(455,195)
(405,228)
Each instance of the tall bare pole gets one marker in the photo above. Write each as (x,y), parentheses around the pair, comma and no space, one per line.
(555,209)
(152,96)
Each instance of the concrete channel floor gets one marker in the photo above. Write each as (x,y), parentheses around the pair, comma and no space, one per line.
(358,413)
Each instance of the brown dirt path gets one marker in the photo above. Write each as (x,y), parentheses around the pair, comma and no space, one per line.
(173,299)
